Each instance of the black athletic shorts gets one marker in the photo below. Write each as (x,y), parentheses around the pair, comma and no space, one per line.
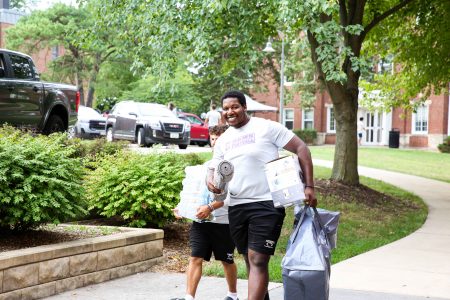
(256,226)
(207,238)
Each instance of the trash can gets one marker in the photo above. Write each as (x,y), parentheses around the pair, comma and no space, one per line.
(394,138)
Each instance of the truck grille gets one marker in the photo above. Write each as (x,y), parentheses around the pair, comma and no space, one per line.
(99,125)
(173,127)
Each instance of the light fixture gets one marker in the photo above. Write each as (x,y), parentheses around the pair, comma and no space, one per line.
(269,47)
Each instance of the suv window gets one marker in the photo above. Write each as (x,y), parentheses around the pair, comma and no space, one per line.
(22,67)
(194,120)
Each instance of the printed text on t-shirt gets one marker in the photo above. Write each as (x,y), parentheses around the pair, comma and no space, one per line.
(240,141)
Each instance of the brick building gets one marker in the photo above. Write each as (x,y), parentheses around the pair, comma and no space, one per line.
(425,128)
(9,17)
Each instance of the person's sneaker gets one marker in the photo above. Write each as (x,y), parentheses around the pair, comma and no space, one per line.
(229,298)
(177,299)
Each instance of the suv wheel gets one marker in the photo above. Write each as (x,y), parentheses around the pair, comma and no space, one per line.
(109,134)
(141,137)
(182,146)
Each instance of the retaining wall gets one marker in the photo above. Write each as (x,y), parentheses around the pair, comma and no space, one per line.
(43,271)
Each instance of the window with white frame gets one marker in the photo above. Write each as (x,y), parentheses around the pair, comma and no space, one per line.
(386,65)
(331,121)
(308,118)
(55,52)
(289,118)
(420,120)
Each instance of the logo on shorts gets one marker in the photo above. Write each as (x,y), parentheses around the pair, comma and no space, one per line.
(229,256)
(269,244)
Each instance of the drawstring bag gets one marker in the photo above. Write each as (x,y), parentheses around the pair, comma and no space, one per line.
(306,265)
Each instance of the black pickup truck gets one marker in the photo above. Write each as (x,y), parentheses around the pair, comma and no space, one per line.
(27,102)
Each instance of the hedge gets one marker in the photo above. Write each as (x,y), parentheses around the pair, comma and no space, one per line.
(40,180)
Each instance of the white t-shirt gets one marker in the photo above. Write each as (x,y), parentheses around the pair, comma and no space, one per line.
(213,117)
(360,126)
(249,148)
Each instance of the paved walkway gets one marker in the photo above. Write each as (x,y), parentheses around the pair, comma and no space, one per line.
(416,267)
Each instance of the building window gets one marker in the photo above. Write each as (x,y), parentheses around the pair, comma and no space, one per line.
(420,120)
(386,65)
(308,119)
(331,121)
(55,52)
(289,118)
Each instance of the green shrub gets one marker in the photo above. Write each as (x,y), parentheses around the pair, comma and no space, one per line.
(142,189)
(445,147)
(307,135)
(93,150)
(40,181)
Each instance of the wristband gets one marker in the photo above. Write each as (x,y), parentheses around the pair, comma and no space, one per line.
(309,186)
(211,207)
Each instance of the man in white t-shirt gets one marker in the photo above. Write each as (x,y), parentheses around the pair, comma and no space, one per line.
(255,224)
(213,117)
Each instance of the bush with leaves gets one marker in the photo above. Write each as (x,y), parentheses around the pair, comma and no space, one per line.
(91,151)
(445,146)
(307,135)
(142,189)
(40,181)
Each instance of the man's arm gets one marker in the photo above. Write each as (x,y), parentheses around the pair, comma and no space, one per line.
(297,146)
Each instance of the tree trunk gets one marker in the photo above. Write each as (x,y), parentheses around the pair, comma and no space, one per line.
(345,167)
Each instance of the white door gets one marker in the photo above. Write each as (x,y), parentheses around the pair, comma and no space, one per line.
(373,122)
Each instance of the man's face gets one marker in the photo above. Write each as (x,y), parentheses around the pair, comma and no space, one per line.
(234,113)
(213,138)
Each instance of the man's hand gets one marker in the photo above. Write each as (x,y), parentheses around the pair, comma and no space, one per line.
(175,213)
(212,188)
(310,197)
(203,212)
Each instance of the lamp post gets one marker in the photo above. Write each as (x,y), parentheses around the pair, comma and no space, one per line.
(270,49)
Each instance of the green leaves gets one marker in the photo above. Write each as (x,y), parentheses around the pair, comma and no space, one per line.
(142,189)
(40,181)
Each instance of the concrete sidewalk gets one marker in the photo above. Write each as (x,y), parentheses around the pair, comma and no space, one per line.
(416,267)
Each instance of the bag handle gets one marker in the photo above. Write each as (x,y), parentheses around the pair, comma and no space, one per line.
(302,216)
(297,228)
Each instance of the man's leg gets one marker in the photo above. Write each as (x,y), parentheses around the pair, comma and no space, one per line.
(258,277)
(230,271)
(193,273)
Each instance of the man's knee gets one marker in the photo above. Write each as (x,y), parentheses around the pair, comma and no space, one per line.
(196,261)
(258,260)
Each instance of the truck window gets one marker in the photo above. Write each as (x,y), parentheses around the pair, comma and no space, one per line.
(22,67)
(2,67)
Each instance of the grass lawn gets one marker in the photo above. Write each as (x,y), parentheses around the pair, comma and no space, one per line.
(434,165)
(363,226)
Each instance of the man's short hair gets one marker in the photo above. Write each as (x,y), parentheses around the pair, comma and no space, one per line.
(235,94)
(218,129)
(213,106)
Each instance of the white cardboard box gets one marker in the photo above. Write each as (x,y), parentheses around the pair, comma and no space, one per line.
(284,178)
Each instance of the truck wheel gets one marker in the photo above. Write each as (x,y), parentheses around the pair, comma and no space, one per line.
(109,135)
(182,146)
(141,137)
(54,124)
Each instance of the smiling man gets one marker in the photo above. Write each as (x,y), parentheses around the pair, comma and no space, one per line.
(255,224)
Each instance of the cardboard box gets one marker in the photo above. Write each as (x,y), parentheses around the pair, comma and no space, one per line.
(284,178)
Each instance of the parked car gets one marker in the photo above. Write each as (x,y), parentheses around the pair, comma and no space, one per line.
(147,124)
(27,102)
(199,131)
(90,123)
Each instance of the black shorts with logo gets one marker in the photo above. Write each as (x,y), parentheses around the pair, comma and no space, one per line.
(207,238)
(256,226)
